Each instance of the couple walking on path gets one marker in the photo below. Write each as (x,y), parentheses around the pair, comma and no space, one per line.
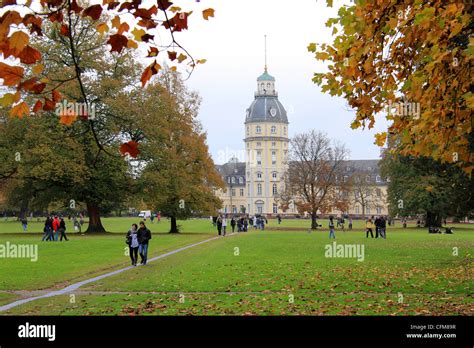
(137,240)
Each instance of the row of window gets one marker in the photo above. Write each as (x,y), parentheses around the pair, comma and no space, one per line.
(258,130)
(259,190)
(274,144)
(368,178)
(233,180)
(274,157)
(241,192)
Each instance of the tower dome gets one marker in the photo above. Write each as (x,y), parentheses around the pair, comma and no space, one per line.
(266,107)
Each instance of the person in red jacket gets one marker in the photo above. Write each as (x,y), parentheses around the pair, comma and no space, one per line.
(56,223)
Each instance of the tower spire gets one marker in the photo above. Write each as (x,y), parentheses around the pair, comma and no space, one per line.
(266,53)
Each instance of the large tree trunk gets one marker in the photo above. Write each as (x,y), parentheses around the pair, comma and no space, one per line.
(174,225)
(95,224)
(433,219)
(23,209)
(314,223)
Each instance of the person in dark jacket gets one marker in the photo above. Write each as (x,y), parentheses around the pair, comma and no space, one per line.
(48,227)
(219,225)
(62,230)
(377,227)
(383,228)
(144,236)
(233,223)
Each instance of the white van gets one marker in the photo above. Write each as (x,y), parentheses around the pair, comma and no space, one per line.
(145,214)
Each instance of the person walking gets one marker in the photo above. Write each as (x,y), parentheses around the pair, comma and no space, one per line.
(47,229)
(331,228)
(383,228)
(232,224)
(224,225)
(144,236)
(56,227)
(62,230)
(158,217)
(132,241)
(350,223)
(368,227)
(377,227)
(24,224)
(219,225)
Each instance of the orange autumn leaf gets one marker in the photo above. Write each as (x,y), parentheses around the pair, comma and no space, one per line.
(18,40)
(150,70)
(11,75)
(208,13)
(29,55)
(64,30)
(20,110)
(38,106)
(38,88)
(67,117)
(49,105)
(56,96)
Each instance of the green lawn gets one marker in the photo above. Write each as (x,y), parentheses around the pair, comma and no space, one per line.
(411,272)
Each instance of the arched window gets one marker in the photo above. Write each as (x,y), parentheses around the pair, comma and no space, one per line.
(258,129)
(241,180)
(233,179)
(274,129)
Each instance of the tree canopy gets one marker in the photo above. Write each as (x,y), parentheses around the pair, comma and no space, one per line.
(409,60)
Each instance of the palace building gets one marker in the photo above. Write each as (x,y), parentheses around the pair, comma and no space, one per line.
(252,187)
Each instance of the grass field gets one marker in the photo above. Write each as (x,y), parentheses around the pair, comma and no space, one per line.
(274,272)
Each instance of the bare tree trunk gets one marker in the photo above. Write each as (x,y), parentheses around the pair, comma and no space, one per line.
(314,223)
(95,223)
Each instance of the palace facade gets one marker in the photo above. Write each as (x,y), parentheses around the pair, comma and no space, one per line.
(253,186)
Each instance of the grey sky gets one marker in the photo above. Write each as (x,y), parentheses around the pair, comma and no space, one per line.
(233,44)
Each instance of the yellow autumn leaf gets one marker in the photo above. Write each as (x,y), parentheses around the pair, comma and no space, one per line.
(116,22)
(182,57)
(9,98)
(102,28)
(132,44)
(138,33)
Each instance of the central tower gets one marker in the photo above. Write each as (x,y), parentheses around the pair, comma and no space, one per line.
(266,141)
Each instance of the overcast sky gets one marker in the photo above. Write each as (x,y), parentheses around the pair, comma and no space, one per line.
(233,44)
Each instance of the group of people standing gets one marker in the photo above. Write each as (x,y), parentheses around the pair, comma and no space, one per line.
(380,225)
(137,240)
(242,223)
(54,228)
